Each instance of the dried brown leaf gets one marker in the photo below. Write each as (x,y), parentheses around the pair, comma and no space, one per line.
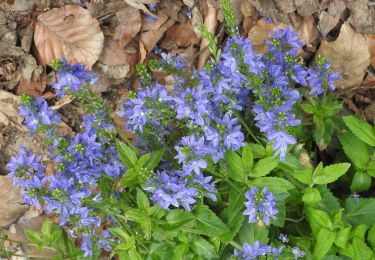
(69,32)
(349,55)
(306,29)
(114,54)
(130,24)
(327,22)
(362,16)
(140,5)
(259,33)
(306,7)
(179,35)
(371,47)
(10,199)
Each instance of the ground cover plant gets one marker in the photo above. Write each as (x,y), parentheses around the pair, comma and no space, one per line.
(225,163)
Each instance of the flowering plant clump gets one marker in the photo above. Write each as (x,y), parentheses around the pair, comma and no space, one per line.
(225,163)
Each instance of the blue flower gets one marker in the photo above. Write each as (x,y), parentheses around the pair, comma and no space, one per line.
(258,249)
(321,78)
(260,206)
(297,253)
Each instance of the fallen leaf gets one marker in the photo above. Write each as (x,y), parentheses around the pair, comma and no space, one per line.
(179,35)
(285,6)
(248,12)
(362,16)
(32,87)
(327,22)
(130,23)
(69,32)
(306,29)
(349,55)
(306,7)
(140,5)
(114,54)
(142,52)
(10,199)
(371,47)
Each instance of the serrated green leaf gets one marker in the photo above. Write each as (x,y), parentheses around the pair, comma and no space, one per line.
(247,158)
(359,232)
(34,237)
(203,248)
(143,160)
(236,167)
(142,200)
(318,219)
(324,242)
(361,250)
(207,222)
(264,166)
(361,129)
(361,211)
(329,203)
(180,251)
(371,237)
(127,155)
(250,232)
(154,159)
(342,237)
(274,184)
(46,229)
(258,150)
(355,149)
(311,196)
(331,173)
(177,217)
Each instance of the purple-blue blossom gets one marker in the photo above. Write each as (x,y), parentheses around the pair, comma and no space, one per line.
(258,249)
(260,205)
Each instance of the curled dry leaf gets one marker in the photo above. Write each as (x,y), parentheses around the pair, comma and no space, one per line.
(116,61)
(179,35)
(306,7)
(140,4)
(349,55)
(306,29)
(69,32)
(10,199)
(371,47)
(130,23)
(362,16)
(327,22)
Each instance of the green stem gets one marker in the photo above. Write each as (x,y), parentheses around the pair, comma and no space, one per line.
(236,245)
(295,220)
(247,128)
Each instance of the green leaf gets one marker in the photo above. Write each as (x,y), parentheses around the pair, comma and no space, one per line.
(361,129)
(264,166)
(258,150)
(329,203)
(247,158)
(131,178)
(361,250)
(301,173)
(318,219)
(142,200)
(34,237)
(127,155)
(324,242)
(250,232)
(355,149)
(233,215)
(311,196)
(331,173)
(360,212)
(236,167)
(178,217)
(143,160)
(154,159)
(46,229)
(308,108)
(180,251)
(361,182)
(371,237)
(359,232)
(203,248)
(118,232)
(207,222)
(342,237)
(274,184)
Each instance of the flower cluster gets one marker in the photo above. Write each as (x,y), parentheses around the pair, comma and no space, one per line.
(71,77)
(321,78)
(258,249)
(79,162)
(260,205)
(37,113)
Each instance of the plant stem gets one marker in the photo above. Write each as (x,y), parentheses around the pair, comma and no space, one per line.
(247,128)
